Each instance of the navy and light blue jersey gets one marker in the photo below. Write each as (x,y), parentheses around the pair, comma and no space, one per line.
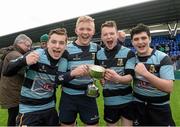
(159,64)
(39,83)
(79,55)
(121,60)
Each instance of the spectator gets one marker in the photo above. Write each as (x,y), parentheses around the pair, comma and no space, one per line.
(43,41)
(10,86)
(167,49)
(121,37)
(4,52)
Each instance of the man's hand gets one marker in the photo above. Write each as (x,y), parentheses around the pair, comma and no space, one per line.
(81,70)
(111,75)
(32,58)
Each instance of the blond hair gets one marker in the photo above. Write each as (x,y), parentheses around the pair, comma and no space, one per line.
(85,19)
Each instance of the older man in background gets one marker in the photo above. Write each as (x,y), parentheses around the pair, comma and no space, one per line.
(10,86)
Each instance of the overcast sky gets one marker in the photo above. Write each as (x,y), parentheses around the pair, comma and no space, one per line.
(18,15)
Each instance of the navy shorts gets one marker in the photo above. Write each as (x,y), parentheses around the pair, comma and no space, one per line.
(71,105)
(47,117)
(147,114)
(113,113)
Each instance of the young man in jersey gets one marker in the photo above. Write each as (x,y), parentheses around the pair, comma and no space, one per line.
(37,104)
(153,81)
(74,99)
(119,62)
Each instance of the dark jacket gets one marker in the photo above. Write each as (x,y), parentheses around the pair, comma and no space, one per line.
(10,86)
(3,53)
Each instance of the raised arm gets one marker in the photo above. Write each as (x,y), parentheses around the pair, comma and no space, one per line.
(14,65)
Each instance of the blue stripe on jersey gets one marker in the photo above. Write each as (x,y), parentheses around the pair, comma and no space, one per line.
(73,91)
(123,52)
(25,108)
(117,100)
(81,80)
(101,55)
(30,74)
(130,64)
(32,94)
(166,72)
(74,64)
(148,91)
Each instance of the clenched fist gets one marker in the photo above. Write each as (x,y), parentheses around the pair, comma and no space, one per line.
(140,69)
(32,58)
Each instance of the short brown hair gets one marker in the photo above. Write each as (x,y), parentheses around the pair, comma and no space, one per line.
(59,31)
(140,28)
(109,24)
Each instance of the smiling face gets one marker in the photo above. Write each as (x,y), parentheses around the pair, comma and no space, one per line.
(141,39)
(84,31)
(141,43)
(109,37)
(56,45)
